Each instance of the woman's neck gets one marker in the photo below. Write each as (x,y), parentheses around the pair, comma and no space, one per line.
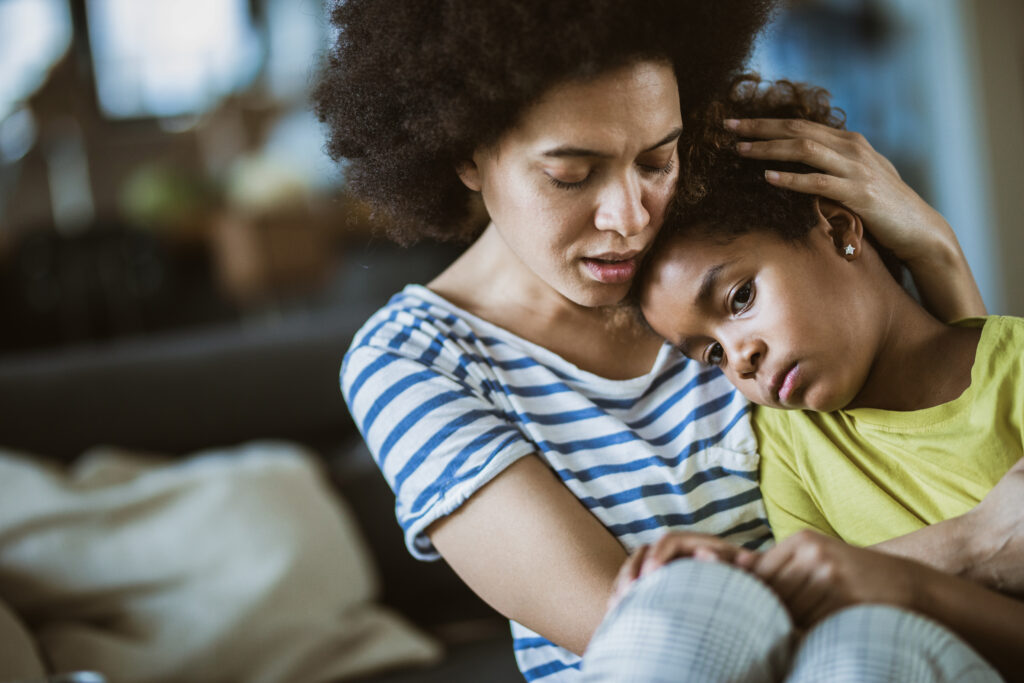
(490,281)
(921,362)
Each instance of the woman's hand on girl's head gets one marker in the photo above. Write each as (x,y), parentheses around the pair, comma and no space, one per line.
(853,173)
(672,546)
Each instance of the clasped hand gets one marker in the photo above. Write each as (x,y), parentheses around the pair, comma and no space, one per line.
(812,574)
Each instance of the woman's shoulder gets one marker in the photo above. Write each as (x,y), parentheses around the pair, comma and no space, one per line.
(413,306)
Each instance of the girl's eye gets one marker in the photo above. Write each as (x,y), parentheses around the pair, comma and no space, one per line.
(715,354)
(742,298)
(658,170)
(562,185)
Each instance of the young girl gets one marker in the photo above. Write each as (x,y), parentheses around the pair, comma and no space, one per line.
(874,419)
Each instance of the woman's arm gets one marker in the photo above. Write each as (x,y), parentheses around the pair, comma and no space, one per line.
(815,575)
(985,545)
(869,185)
(532,551)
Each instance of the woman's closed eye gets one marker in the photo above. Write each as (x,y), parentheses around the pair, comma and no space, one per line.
(568,185)
(666,169)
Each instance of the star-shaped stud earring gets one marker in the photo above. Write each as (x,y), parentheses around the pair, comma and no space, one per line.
(849,250)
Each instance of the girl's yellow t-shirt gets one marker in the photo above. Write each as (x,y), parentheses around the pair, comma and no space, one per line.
(868,475)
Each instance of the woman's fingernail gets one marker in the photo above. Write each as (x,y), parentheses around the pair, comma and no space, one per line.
(743,146)
(705,555)
(771,176)
(731,124)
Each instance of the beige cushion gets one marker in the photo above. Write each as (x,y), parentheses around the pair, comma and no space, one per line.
(236,565)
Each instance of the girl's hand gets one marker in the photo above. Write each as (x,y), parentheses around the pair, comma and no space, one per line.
(853,173)
(674,545)
(815,575)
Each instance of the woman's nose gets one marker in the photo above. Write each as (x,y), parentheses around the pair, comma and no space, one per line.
(622,208)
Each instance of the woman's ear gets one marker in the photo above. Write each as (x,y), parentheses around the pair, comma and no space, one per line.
(469,174)
(844,228)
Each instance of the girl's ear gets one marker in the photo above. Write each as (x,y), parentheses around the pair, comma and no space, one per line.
(844,228)
(469,174)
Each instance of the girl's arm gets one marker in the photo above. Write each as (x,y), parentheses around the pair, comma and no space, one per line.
(815,575)
(854,174)
(532,551)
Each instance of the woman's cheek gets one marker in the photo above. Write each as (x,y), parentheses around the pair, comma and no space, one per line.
(659,202)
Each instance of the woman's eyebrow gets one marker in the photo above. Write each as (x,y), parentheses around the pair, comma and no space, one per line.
(671,137)
(566,151)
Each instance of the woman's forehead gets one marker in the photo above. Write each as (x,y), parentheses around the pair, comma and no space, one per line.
(639,103)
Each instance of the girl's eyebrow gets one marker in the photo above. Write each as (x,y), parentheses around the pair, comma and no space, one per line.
(709,282)
(565,151)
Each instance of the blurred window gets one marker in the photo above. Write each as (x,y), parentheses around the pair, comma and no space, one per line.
(170,58)
(34,34)
(296,36)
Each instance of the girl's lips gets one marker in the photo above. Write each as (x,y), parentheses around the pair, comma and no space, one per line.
(611,272)
(789,383)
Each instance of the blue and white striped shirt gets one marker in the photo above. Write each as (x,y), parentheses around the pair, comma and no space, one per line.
(446,401)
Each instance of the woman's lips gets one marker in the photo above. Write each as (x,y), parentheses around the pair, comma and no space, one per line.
(788,384)
(612,272)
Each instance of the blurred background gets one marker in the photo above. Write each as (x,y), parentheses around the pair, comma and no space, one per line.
(160,168)
(181,268)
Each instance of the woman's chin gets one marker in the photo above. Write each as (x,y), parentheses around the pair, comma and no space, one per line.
(599,296)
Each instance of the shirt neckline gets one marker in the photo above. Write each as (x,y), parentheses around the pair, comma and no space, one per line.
(667,354)
(926,417)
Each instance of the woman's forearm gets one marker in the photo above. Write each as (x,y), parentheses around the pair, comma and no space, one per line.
(944,279)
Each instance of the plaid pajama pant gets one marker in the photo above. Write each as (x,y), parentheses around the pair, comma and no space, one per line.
(706,621)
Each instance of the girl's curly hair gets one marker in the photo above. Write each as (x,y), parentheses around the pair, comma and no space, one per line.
(725,194)
(411,88)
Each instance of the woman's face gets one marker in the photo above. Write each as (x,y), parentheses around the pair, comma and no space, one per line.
(578,188)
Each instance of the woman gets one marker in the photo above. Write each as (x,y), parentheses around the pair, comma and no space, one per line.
(532,433)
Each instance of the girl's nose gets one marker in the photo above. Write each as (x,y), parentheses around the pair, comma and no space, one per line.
(748,354)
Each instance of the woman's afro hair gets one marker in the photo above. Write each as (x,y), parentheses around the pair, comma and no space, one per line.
(410,88)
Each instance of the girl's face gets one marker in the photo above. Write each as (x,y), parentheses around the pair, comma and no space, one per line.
(577,189)
(791,325)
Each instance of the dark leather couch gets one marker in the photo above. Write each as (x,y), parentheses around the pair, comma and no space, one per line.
(177,393)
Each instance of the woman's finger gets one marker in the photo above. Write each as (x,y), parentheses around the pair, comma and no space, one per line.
(811,152)
(821,184)
(630,569)
(790,128)
(675,545)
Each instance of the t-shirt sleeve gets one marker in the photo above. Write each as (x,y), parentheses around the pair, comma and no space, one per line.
(787,501)
(431,424)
